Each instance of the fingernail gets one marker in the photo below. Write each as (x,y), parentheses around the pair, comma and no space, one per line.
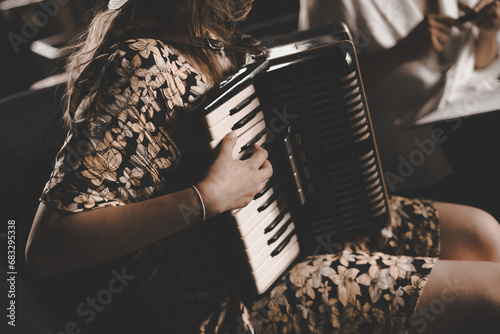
(232,134)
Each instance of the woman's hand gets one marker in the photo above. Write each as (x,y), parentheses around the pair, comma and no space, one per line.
(432,33)
(232,184)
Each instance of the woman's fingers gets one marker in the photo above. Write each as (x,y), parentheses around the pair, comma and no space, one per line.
(261,186)
(257,159)
(266,170)
(259,165)
(228,144)
(230,183)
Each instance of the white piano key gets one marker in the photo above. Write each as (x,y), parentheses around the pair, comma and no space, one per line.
(255,246)
(251,218)
(222,128)
(247,136)
(243,214)
(259,230)
(272,269)
(261,251)
(215,116)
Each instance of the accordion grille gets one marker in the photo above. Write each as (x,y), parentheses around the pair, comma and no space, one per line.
(333,147)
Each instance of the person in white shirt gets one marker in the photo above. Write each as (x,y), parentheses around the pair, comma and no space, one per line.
(411,53)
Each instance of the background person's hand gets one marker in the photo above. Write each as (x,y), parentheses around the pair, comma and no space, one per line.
(432,33)
(487,15)
(232,184)
(487,18)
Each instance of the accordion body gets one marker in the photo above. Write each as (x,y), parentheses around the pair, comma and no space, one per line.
(305,104)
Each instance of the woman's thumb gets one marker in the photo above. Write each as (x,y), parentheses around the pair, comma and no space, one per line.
(228,143)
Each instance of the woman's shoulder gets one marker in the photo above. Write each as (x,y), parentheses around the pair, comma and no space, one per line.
(147,63)
(156,56)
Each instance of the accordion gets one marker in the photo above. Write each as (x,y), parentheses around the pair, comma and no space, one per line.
(303,102)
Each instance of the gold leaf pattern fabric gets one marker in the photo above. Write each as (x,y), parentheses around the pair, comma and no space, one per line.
(135,146)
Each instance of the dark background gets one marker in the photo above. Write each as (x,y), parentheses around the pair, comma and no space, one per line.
(19,70)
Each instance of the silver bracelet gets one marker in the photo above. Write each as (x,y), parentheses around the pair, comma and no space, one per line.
(201,200)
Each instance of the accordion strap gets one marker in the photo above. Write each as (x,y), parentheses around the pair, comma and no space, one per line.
(245,43)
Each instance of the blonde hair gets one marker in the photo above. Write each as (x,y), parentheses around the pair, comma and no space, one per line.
(203,18)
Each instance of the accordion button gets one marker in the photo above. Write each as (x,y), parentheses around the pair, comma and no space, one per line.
(298,139)
(302,155)
(307,173)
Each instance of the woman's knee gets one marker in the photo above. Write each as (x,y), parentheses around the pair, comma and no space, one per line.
(468,233)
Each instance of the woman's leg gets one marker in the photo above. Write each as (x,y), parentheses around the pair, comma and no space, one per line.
(459,297)
(467,233)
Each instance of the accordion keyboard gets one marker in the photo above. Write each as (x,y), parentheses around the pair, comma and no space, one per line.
(266,227)
(332,143)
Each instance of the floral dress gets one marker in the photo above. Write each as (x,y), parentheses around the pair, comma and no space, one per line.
(128,144)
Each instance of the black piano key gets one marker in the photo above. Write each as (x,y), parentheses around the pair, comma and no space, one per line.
(280,232)
(242,105)
(245,120)
(275,222)
(283,244)
(268,186)
(269,201)
(252,142)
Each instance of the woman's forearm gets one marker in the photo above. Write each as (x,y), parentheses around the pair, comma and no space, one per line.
(66,242)
(61,242)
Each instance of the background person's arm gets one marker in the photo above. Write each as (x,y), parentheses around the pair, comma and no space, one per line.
(432,33)
(488,21)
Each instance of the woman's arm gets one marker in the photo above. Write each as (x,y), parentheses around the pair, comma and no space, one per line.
(62,242)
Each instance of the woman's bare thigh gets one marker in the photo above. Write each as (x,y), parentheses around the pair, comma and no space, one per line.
(459,297)
(467,233)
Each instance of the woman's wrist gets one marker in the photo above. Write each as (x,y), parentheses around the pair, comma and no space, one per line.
(202,202)
(208,195)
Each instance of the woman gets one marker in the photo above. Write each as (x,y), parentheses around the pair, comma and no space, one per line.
(127,170)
